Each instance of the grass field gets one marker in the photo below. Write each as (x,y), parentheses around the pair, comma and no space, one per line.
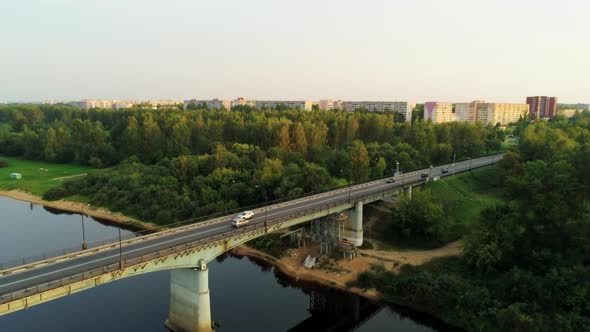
(464,196)
(38,177)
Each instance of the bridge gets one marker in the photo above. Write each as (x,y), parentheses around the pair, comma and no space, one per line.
(187,250)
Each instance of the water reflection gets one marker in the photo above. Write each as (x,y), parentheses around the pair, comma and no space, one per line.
(246,295)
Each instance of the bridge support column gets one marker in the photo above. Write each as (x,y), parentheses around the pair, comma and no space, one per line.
(190,309)
(353,229)
(408,191)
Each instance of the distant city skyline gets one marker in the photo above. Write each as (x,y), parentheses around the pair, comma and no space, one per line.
(455,51)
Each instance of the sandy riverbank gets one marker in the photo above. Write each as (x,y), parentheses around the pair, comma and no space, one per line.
(77,207)
(337,273)
(300,273)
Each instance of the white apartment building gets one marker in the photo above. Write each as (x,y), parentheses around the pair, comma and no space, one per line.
(402,107)
(243,102)
(213,104)
(96,103)
(272,104)
(492,113)
(439,112)
(568,113)
(504,114)
(329,105)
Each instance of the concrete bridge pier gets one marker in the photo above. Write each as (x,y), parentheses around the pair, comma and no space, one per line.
(408,191)
(353,229)
(190,309)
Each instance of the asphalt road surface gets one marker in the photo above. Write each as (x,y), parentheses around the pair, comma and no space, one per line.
(51,272)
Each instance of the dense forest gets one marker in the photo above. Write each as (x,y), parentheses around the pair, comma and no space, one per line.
(526,263)
(164,166)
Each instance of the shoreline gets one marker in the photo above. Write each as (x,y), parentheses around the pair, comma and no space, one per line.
(311,277)
(103,214)
(308,276)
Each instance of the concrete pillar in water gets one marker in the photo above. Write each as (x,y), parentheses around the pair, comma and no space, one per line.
(408,191)
(353,229)
(190,309)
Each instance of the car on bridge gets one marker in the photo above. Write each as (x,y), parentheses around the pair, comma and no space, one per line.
(424,175)
(390,180)
(444,170)
(242,219)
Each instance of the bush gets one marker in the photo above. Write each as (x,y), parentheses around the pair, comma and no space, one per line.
(56,193)
(3,163)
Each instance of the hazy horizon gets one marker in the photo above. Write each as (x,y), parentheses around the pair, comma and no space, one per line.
(429,50)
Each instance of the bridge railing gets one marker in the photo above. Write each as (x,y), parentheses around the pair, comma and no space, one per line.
(188,222)
(113,267)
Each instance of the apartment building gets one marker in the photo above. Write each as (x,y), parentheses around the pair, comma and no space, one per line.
(579,106)
(439,112)
(480,111)
(214,104)
(155,103)
(243,102)
(329,105)
(305,105)
(467,112)
(403,107)
(568,113)
(97,103)
(542,106)
(503,114)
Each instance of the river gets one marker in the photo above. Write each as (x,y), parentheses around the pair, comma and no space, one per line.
(245,295)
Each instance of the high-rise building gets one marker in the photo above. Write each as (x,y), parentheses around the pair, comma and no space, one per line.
(503,114)
(243,102)
(439,112)
(214,104)
(467,112)
(304,105)
(329,105)
(492,113)
(403,107)
(542,106)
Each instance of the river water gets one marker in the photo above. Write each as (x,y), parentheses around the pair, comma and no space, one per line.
(245,295)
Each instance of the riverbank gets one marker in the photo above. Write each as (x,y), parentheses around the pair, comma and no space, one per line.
(340,273)
(77,207)
(300,273)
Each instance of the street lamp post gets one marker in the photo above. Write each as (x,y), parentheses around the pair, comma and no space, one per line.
(265,208)
(430,177)
(265,214)
(454,158)
(84,243)
(396,167)
(120,251)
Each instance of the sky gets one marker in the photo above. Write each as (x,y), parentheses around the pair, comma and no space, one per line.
(415,50)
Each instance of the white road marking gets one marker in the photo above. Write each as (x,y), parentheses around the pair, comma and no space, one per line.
(374,185)
(108,257)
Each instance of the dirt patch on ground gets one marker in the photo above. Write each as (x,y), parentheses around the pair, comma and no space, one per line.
(61,178)
(77,208)
(396,258)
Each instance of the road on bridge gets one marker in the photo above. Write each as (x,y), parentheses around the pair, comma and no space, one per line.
(27,278)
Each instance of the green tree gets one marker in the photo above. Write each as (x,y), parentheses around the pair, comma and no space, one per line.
(51,147)
(284,140)
(132,137)
(360,161)
(420,217)
(299,139)
(152,139)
